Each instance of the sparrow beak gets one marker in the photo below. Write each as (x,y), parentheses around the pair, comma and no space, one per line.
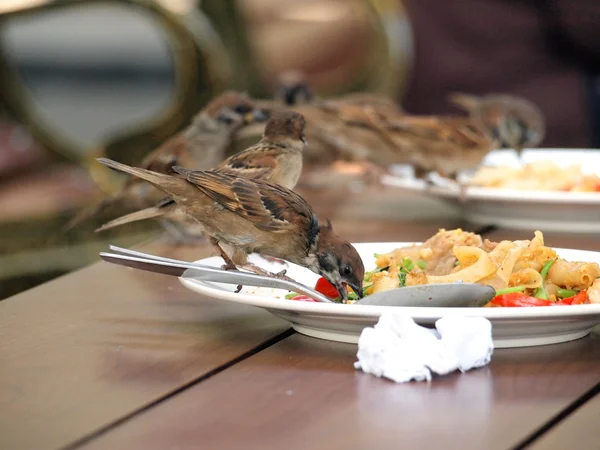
(259,115)
(342,290)
(357,289)
(249,118)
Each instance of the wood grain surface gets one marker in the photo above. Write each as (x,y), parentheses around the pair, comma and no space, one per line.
(94,346)
(89,348)
(304,393)
(579,430)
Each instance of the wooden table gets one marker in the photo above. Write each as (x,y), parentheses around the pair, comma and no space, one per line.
(113,358)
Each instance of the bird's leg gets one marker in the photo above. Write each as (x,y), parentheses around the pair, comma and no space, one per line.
(373,174)
(260,271)
(426,176)
(229,264)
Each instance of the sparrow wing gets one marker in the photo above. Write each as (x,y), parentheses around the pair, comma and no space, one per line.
(457,130)
(269,207)
(256,162)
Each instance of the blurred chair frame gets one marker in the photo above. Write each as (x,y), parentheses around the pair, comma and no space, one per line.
(210,53)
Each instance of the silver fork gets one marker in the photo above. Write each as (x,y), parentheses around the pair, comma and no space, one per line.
(427,295)
(175,267)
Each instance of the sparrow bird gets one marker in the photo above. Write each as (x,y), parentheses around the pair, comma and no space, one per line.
(343,128)
(444,144)
(201,145)
(295,90)
(514,122)
(277,158)
(253,216)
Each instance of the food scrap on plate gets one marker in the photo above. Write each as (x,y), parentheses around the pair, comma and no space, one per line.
(538,176)
(523,272)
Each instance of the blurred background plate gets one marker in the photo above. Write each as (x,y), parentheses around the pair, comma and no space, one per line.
(568,212)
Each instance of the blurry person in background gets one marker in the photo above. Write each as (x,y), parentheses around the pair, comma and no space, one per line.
(547,51)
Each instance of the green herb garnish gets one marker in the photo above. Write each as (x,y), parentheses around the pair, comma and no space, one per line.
(566,293)
(510,290)
(422,264)
(407,264)
(541,291)
(291,295)
(402,277)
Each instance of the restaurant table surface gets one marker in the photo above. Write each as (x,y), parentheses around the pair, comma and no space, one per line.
(109,357)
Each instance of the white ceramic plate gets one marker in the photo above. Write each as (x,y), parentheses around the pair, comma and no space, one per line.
(569,212)
(511,327)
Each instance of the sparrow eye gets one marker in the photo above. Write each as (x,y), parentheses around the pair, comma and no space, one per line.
(346,271)
(242,109)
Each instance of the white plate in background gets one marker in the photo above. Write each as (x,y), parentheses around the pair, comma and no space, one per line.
(568,212)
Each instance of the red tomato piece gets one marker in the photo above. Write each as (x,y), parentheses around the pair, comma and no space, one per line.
(303,298)
(326,288)
(515,299)
(577,299)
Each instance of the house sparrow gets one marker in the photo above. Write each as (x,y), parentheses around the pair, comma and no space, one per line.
(201,145)
(260,217)
(344,128)
(445,145)
(277,159)
(514,121)
(295,90)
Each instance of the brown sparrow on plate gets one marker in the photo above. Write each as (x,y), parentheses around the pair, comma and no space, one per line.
(513,121)
(201,145)
(277,159)
(254,216)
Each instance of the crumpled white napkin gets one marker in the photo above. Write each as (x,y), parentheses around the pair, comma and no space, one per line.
(399,349)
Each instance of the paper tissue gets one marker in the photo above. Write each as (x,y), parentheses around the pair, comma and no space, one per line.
(399,349)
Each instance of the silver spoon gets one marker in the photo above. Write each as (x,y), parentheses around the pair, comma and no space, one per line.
(427,295)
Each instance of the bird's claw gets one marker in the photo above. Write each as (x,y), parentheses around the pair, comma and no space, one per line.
(228,266)
(281,275)
(373,174)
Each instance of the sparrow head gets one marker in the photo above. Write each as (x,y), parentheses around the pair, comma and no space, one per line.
(339,262)
(513,121)
(293,89)
(231,110)
(515,132)
(286,127)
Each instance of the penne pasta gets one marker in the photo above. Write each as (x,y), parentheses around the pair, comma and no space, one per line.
(573,275)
